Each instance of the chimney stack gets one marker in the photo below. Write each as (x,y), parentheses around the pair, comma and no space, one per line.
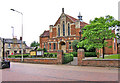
(62,10)
(21,38)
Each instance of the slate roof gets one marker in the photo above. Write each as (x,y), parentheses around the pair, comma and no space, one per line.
(45,34)
(11,41)
(8,40)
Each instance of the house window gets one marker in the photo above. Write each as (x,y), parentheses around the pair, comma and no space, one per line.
(63,28)
(68,29)
(20,45)
(9,45)
(15,51)
(58,30)
(8,52)
(54,46)
(70,45)
(20,52)
(44,45)
(50,46)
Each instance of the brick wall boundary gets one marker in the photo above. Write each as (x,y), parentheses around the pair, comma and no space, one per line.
(58,60)
(96,62)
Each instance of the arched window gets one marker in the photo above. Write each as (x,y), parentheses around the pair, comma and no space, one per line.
(63,28)
(68,29)
(58,30)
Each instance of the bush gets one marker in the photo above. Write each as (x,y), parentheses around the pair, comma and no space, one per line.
(46,54)
(68,58)
(74,54)
(18,56)
(44,49)
(90,54)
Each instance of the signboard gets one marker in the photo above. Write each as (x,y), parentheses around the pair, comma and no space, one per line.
(33,53)
(40,53)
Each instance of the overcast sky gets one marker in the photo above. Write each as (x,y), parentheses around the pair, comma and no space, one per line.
(39,14)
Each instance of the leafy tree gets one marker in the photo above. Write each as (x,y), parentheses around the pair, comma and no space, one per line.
(95,34)
(74,45)
(34,44)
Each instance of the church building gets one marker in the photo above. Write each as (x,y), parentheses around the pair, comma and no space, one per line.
(61,35)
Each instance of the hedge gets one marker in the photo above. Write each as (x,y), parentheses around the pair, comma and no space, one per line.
(74,54)
(90,54)
(46,54)
(68,58)
(18,56)
(87,54)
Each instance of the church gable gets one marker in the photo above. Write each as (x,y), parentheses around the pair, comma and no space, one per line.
(66,18)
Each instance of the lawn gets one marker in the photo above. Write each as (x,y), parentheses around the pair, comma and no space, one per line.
(116,56)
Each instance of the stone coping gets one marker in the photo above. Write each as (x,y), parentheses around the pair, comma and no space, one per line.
(33,58)
(102,59)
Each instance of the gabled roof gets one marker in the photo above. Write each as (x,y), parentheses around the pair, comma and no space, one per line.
(71,18)
(82,24)
(45,34)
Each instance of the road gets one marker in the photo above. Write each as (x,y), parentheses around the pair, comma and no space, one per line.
(47,72)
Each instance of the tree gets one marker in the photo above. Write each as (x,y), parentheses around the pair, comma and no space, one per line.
(95,34)
(34,44)
(74,45)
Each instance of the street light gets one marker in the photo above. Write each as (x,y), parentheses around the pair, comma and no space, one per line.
(21,31)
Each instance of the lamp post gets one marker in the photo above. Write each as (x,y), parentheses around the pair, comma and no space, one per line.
(21,31)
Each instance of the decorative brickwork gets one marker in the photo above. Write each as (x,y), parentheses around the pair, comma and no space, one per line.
(69,35)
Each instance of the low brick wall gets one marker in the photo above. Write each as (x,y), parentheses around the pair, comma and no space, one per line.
(36,60)
(96,62)
(101,63)
(58,60)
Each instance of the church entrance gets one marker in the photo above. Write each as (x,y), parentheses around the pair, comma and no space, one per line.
(62,46)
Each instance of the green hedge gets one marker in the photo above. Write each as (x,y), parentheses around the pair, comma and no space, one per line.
(68,58)
(87,54)
(46,54)
(74,54)
(18,56)
(90,54)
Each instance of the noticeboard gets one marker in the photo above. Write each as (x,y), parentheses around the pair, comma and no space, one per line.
(33,53)
(40,53)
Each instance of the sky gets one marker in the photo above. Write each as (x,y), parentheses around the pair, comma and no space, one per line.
(39,14)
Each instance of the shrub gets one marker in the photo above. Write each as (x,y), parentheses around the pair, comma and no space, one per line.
(18,56)
(74,54)
(90,54)
(68,58)
(44,49)
(46,54)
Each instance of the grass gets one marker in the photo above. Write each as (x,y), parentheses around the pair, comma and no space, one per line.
(116,56)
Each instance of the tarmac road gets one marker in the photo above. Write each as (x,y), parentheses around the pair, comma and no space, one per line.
(48,72)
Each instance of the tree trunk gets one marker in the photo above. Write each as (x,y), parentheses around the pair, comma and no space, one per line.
(103,48)
(103,52)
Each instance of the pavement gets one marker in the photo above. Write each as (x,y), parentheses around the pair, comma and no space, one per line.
(48,72)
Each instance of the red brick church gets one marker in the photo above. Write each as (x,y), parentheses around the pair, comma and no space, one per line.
(61,35)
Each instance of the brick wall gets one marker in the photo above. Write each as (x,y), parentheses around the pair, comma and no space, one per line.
(58,60)
(102,63)
(96,62)
(42,41)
